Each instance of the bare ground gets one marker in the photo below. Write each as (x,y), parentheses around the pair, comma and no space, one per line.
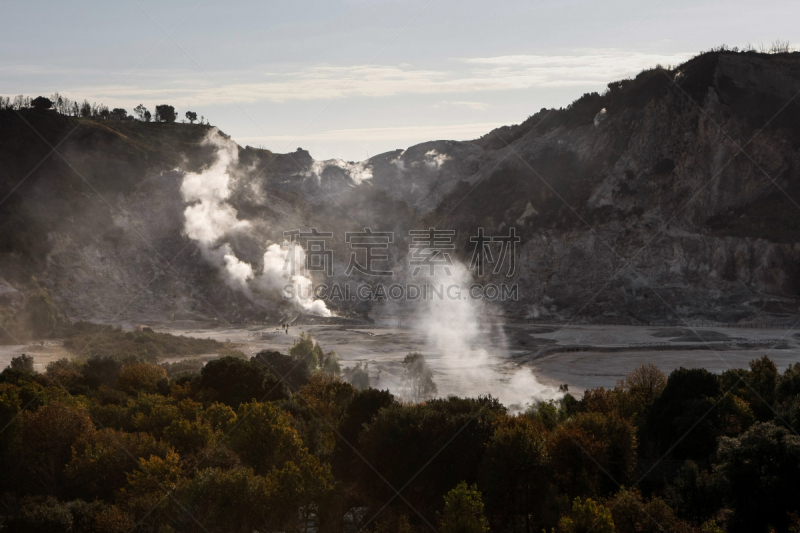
(580,356)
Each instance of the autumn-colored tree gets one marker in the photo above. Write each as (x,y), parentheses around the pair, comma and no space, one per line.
(646,382)
(219,416)
(140,377)
(327,396)
(102,459)
(634,514)
(146,494)
(265,438)
(151,413)
(66,373)
(45,444)
(188,437)
(592,452)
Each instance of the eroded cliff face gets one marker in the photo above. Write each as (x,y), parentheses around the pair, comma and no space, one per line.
(673,195)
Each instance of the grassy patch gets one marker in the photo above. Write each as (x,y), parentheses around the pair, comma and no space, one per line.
(94,340)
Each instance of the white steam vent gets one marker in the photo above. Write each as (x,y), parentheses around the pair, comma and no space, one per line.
(471,347)
(600,116)
(211,222)
(358,172)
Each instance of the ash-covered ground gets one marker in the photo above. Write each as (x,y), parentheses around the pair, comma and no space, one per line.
(517,363)
(524,362)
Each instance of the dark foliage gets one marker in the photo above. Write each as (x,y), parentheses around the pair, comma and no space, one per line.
(236,381)
(290,369)
(689,395)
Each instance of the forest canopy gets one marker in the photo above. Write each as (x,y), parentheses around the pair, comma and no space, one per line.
(279,442)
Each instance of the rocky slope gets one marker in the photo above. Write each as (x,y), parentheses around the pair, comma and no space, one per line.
(674,194)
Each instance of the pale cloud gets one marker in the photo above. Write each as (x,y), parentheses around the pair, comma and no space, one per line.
(402,134)
(479,106)
(465,75)
(589,66)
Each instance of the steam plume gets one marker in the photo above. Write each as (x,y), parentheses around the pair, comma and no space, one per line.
(211,221)
(471,350)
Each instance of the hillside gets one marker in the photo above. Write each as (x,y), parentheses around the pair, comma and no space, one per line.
(676,193)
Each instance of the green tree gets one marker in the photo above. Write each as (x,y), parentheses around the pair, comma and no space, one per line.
(686,403)
(165,113)
(99,371)
(402,438)
(330,364)
(418,378)
(760,470)
(22,363)
(187,436)
(306,350)
(463,511)
(119,114)
(233,501)
(358,376)
(219,415)
(41,515)
(300,488)
(191,116)
(515,474)
(288,368)
(41,103)
(361,410)
(236,381)
(585,516)
(693,493)
(633,514)
(41,310)
(102,459)
(140,377)
(763,380)
(139,111)
(265,438)
(45,444)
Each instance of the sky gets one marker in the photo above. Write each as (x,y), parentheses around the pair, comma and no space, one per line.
(351,79)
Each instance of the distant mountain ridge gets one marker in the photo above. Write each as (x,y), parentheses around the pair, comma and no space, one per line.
(638,202)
